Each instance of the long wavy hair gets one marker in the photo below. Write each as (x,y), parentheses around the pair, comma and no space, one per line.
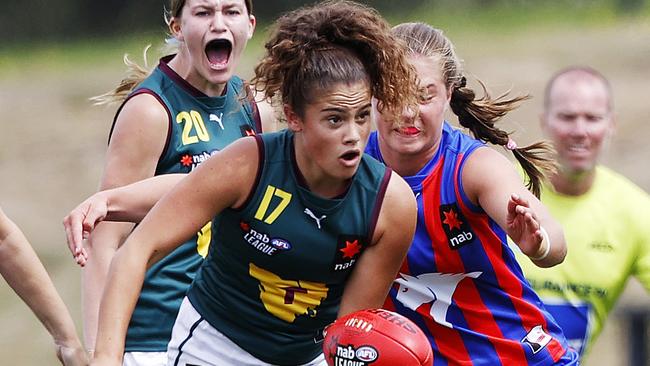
(313,48)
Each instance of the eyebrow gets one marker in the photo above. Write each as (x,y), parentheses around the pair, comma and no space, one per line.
(223,3)
(338,109)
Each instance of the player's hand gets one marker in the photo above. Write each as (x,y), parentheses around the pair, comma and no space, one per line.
(71,355)
(81,221)
(522,226)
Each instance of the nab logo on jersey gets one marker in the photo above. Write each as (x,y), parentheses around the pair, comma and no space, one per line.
(455,226)
(262,241)
(348,250)
(193,161)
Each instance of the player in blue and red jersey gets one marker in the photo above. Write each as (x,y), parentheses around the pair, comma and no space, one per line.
(460,282)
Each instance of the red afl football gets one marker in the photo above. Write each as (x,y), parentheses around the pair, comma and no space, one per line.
(376,337)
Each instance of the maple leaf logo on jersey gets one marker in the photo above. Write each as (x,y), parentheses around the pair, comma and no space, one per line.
(245,226)
(186,160)
(348,250)
(435,288)
(451,219)
(351,249)
(456,228)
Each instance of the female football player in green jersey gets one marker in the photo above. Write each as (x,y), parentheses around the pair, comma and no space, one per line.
(170,121)
(306,227)
(26,275)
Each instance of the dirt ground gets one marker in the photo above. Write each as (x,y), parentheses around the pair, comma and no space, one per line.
(52,143)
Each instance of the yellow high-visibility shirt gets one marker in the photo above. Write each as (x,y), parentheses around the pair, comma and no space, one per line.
(607,231)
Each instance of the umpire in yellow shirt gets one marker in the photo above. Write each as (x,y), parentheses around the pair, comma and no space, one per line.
(606,217)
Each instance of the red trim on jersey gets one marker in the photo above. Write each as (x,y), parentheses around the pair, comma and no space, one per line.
(379,201)
(449,342)
(162,103)
(260,167)
(477,315)
(180,81)
(530,315)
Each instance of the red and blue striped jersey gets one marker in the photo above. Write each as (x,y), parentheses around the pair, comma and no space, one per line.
(460,281)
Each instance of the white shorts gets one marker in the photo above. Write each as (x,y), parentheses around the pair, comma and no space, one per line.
(195,342)
(145,359)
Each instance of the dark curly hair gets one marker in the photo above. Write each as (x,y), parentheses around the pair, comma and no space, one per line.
(313,48)
(479,115)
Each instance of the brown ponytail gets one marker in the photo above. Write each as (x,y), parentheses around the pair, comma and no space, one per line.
(479,115)
(135,74)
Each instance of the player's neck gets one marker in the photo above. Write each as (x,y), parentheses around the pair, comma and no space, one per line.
(184,68)
(407,164)
(573,183)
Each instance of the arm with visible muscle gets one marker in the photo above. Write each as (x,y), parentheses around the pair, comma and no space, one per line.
(24,272)
(224,180)
(377,267)
(492,182)
(135,146)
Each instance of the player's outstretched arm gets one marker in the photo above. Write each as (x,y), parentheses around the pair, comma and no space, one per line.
(491,181)
(128,203)
(377,267)
(224,180)
(24,272)
(137,141)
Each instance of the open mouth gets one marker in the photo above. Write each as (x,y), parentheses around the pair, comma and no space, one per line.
(350,156)
(218,52)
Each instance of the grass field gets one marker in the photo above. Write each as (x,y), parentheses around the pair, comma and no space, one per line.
(52,141)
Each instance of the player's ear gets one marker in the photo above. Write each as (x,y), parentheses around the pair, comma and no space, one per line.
(175,28)
(294,122)
(252,22)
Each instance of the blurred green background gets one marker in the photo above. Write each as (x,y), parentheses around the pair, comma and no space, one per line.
(54,56)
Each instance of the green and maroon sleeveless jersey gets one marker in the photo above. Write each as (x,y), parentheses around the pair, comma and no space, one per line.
(199,126)
(281,261)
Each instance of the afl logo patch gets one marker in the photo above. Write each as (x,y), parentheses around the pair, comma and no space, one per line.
(280,244)
(366,354)
(262,241)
